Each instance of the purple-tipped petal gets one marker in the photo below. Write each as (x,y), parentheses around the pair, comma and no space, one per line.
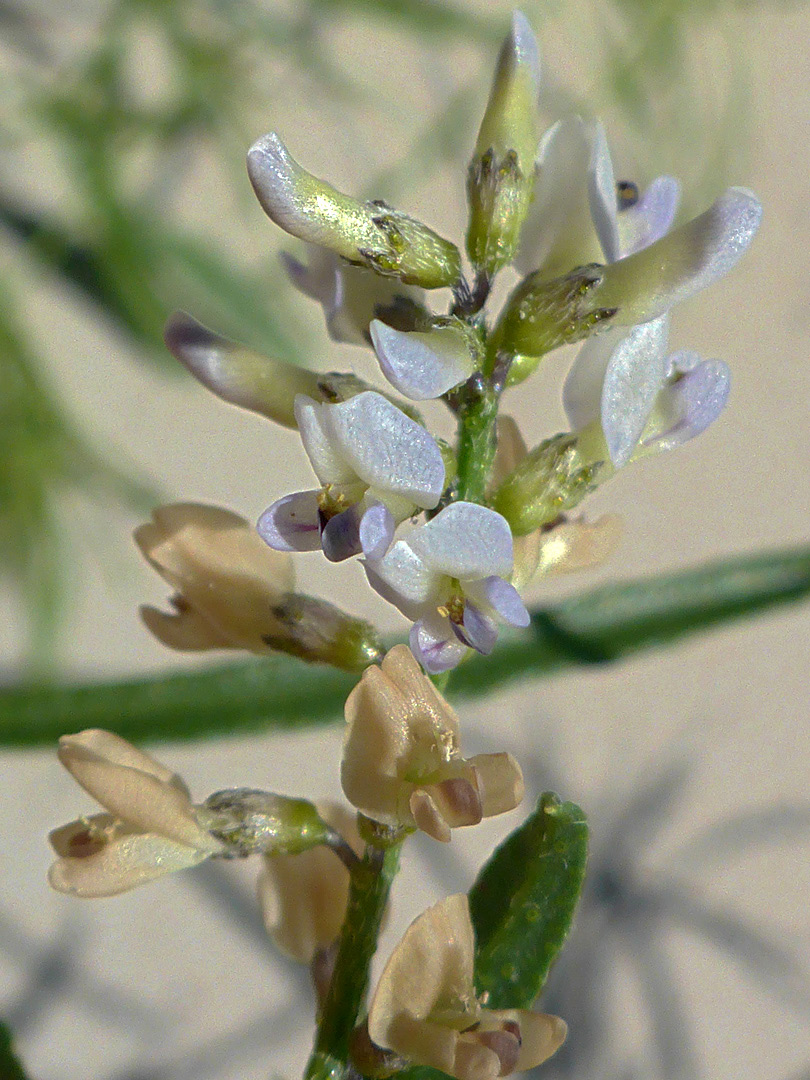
(291,523)
(477,631)
(340,538)
(502,598)
(422,366)
(692,403)
(434,653)
(376,532)
(651,217)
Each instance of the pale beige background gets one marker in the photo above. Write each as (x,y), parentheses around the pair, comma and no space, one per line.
(736,699)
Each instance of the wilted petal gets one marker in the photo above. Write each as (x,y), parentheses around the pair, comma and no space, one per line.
(422,366)
(691,403)
(651,217)
(385,448)
(500,782)
(138,797)
(602,195)
(465,541)
(126,860)
(185,630)
(109,747)
(578,545)
(292,523)
(541,1035)
(635,374)
(236,373)
(500,598)
(686,260)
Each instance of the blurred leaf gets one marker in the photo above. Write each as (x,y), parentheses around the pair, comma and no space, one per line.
(258,695)
(10,1066)
(429,17)
(523,902)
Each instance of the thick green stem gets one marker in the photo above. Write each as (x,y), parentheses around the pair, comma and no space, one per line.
(370,885)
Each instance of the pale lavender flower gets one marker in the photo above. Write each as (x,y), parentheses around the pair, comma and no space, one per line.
(450,577)
(377,467)
(644,399)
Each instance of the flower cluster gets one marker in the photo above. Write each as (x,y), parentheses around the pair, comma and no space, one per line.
(448,534)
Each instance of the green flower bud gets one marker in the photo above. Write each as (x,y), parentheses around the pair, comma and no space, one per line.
(552,479)
(314,629)
(541,315)
(501,174)
(236,373)
(253,822)
(370,234)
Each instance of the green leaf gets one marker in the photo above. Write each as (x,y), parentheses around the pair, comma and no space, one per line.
(10,1067)
(523,902)
(259,695)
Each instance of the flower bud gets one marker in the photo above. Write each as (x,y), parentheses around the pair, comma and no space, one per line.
(370,234)
(551,479)
(541,315)
(501,174)
(261,823)
(236,373)
(314,629)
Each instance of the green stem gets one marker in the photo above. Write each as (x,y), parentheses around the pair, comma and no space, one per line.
(476,444)
(371,881)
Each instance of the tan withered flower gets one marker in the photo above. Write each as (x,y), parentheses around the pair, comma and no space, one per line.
(402,764)
(228,581)
(303,897)
(150,827)
(425,1006)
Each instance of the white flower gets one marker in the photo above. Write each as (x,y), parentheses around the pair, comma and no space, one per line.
(402,763)
(449,577)
(377,467)
(150,829)
(579,214)
(422,365)
(644,399)
(425,1007)
(350,295)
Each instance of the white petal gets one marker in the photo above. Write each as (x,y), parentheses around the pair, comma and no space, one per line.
(385,448)
(652,216)
(602,195)
(292,523)
(404,579)
(319,279)
(422,366)
(686,260)
(559,221)
(312,418)
(582,390)
(635,374)
(465,541)
(692,403)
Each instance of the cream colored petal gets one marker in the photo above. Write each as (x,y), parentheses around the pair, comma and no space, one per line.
(428,713)
(511,450)
(429,975)
(303,897)
(422,1043)
(541,1034)
(149,804)
(185,631)
(377,739)
(474,1061)
(500,782)
(117,751)
(427,817)
(579,545)
(128,860)
(527,551)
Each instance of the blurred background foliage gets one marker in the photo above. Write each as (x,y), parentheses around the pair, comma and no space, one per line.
(113,109)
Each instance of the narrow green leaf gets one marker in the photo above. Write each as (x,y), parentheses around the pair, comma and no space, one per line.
(10,1067)
(258,695)
(523,902)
